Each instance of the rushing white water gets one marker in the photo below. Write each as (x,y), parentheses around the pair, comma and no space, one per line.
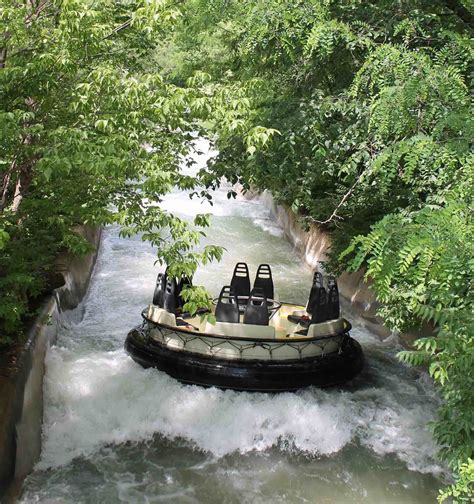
(114,432)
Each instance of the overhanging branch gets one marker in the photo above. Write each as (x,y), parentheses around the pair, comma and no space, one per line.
(346,196)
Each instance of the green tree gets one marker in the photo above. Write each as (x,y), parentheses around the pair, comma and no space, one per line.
(366,114)
(90,133)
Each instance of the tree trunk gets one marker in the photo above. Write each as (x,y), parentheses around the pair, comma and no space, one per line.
(4,50)
(3,57)
(23,181)
(6,184)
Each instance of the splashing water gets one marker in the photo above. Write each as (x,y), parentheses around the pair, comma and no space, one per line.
(114,432)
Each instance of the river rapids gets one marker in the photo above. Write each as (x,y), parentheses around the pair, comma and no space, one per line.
(114,432)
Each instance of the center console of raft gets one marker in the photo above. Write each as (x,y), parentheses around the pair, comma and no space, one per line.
(256,343)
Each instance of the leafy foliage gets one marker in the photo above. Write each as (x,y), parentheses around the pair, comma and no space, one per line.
(370,111)
(89,134)
(356,114)
(462,490)
(423,267)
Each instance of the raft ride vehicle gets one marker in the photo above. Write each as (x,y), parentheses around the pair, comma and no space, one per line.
(256,343)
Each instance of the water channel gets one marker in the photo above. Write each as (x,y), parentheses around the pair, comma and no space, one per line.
(114,432)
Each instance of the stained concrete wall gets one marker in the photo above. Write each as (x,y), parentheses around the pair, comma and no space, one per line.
(22,370)
(312,246)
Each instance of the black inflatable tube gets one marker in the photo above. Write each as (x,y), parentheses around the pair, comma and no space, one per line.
(249,375)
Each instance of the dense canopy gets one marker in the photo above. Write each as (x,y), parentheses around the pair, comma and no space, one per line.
(365,109)
(91,133)
(356,114)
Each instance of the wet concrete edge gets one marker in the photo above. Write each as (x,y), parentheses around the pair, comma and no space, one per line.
(22,372)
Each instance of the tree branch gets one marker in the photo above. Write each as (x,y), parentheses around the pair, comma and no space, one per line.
(3,56)
(346,196)
(23,181)
(36,10)
(6,183)
(25,169)
(118,29)
(4,50)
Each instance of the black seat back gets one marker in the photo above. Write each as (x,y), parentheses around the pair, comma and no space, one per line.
(158,295)
(264,280)
(256,311)
(170,298)
(241,279)
(184,282)
(320,306)
(334,310)
(314,292)
(227,309)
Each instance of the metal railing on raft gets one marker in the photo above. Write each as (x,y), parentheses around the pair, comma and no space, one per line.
(167,334)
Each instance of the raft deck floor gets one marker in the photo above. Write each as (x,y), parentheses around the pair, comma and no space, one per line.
(284,328)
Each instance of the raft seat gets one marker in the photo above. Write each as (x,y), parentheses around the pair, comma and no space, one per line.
(315,291)
(334,309)
(263,280)
(159,293)
(170,295)
(161,316)
(252,331)
(326,328)
(241,279)
(256,311)
(227,308)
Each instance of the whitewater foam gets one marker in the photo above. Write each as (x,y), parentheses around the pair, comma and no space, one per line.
(96,396)
(101,398)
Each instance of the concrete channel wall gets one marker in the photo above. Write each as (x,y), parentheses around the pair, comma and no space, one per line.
(357,298)
(21,372)
(312,246)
